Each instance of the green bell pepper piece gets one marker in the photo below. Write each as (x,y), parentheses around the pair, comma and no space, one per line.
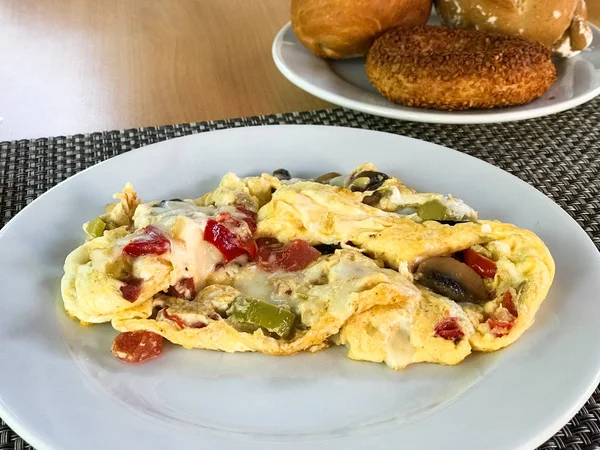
(255,314)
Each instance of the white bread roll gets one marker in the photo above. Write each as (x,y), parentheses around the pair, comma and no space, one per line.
(558,24)
(339,29)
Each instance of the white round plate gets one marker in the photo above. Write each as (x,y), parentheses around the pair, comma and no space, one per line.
(345,83)
(61,389)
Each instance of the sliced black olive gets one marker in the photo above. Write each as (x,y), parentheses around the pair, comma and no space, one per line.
(367,180)
(326,178)
(453,279)
(327,249)
(452,222)
(372,199)
(162,202)
(155,310)
(282,174)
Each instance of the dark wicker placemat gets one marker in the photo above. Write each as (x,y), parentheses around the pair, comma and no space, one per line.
(559,155)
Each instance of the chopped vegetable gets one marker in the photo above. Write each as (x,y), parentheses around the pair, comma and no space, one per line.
(508,303)
(326,178)
(276,256)
(451,278)
(163,203)
(132,289)
(449,329)
(282,174)
(372,199)
(367,180)
(230,243)
(120,269)
(227,242)
(327,249)
(180,322)
(185,288)
(152,242)
(452,222)
(173,318)
(258,314)
(250,218)
(499,328)
(95,228)
(433,210)
(484,266)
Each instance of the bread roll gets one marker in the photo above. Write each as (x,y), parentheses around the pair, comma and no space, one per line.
(558,24)
(340,29)
(457,69)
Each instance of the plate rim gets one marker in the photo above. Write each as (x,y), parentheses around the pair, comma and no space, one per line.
(16,424)
(417,114)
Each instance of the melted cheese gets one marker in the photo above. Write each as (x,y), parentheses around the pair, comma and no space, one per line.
(399,349)
(191,254)
(348,270)
(455,207)
(254,283)
(184,224)
(166,213)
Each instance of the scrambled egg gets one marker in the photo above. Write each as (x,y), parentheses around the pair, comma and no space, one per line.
(93,296)
(152,267)
(334,215)
(322,214)
(325,296)
(402,335)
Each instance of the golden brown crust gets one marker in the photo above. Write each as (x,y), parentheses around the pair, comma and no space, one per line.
(453,69)
(341,29)
(558,24)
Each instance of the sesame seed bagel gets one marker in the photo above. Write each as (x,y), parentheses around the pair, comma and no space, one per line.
(455,69)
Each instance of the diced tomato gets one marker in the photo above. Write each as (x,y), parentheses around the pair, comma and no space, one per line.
(214,316)
(180,323)
(185,288)
(132,289)
(250,218)
(449,329)
(508,303)
(484,266)
(268,242)
(137,346)
(152,242)
(276,256)
(227,242)
(250,247)
(173,318)
(225,217)
(499,328)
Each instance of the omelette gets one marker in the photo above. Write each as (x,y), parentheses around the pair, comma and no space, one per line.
(279,265)
(281,313)
(135,249)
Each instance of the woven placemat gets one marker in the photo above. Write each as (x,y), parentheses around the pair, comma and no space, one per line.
(559,155)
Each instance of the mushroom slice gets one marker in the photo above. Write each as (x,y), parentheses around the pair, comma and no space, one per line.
(367,180)
(326,178)
(453,279)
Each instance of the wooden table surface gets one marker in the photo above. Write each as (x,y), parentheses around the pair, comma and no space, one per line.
(73,66)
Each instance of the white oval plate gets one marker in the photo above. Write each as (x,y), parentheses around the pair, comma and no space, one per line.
(345,83)
(61,389)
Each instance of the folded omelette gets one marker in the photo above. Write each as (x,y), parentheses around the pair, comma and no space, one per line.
(279,265)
